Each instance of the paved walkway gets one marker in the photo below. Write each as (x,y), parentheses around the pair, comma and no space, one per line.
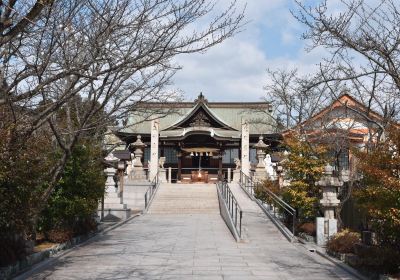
(190,246)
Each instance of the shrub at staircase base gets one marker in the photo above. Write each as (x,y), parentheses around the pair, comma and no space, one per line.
(369,259)
(73,203)
(343,242)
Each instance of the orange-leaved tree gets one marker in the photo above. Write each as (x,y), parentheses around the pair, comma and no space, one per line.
(304,165)
(379,193)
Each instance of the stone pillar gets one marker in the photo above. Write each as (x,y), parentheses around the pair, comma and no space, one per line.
(153,168)
(260,173)
(236,172)
(332,227)
(162,171)
(138,171)
(229,175)
(329,201)
(245,162)
(320,234)
(169,174)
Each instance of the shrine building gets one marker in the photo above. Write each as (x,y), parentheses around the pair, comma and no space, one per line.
(201,138)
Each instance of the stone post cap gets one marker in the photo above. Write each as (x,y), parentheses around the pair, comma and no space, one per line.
(260,144)
(327,179)
(138,143)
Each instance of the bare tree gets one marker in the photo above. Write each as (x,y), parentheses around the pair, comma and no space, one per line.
(76,66)
(363,41)
(17,16)
(293,100)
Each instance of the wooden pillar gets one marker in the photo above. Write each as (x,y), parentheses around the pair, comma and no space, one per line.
(179,166)
(220,174)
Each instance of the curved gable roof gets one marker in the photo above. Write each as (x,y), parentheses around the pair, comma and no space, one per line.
(201,105)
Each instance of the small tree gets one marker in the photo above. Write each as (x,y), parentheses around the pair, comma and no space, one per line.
(304,166)
(74,201)
(22,176)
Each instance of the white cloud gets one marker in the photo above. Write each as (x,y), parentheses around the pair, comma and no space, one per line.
(236,69)
(230,71)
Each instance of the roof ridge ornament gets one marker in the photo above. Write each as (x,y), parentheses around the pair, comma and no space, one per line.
(201,99)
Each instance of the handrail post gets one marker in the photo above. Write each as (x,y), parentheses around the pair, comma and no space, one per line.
(294,223)
(231,206)
(240,221)
(236,215)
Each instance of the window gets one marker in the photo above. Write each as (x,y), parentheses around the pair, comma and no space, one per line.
(343,160)
(229,156)
(340,159)
(170,155)
(253,155)
(146,155)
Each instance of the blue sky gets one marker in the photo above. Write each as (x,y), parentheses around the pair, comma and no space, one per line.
(236,69)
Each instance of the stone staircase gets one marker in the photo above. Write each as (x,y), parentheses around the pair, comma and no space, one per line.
(134,192)
(185,199)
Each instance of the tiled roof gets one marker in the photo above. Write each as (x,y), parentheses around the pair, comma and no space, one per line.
(257,114)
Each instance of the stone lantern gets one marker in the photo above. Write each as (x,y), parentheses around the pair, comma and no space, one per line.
(260,173)
(110,172)
(138,171)
(110,184)
(327,225)
(113,202)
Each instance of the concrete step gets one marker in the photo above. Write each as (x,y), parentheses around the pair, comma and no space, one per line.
(108,199)
(115,206)
(185,199)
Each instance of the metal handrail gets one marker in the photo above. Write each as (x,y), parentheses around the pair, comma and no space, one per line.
(247,184)
(234,209)
(281,213)
(148,196)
